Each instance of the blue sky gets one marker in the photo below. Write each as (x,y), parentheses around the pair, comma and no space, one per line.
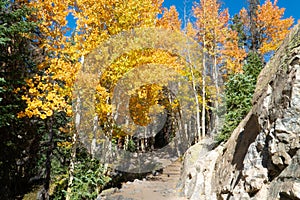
(292,6)
(234,6)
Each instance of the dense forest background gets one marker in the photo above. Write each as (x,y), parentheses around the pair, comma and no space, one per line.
(41,56)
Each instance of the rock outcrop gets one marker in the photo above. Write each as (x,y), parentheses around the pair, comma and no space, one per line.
(261,160)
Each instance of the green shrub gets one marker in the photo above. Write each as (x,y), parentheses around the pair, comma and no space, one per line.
(239,91)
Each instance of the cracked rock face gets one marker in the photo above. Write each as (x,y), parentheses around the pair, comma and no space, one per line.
(261,160)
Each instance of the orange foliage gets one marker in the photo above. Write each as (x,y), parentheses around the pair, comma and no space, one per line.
(217,38)
(233,55)
(170,19)
(269,21)
(271,26)
(210,23)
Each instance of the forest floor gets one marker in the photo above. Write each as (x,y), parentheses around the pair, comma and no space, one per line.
(160,187)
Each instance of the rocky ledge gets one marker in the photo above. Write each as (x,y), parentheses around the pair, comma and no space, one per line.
(261,160)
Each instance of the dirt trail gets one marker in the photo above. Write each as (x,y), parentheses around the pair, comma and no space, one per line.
(160,187)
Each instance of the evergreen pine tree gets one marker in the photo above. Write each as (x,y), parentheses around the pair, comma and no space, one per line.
(238,95)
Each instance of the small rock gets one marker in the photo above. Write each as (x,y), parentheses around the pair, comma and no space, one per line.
(108,191)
